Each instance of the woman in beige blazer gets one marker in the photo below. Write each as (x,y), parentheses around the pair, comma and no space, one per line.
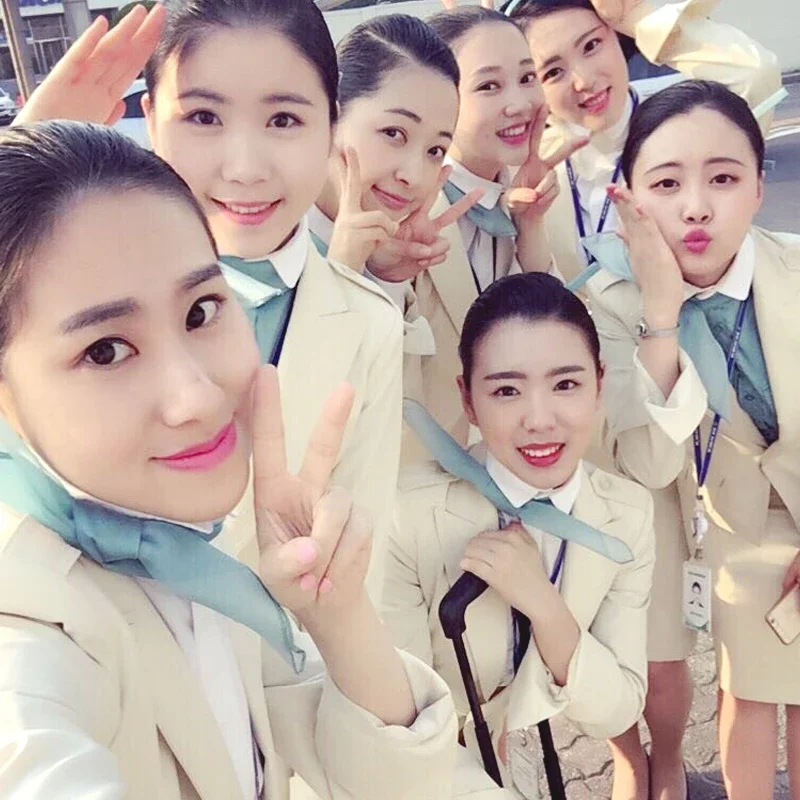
(256,167)
(705,277)
(531,384)
(577,55)
(138,659)
(500,114)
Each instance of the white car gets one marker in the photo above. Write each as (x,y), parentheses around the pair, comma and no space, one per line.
(132,123)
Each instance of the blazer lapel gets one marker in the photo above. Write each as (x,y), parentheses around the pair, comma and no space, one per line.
(322,341)
(587,575)
(487,619)
(453,279)
(181,712)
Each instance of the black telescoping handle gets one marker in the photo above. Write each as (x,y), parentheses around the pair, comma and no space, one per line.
(452,611)
(454,604)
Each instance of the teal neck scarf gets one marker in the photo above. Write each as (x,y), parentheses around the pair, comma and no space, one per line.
(542,514)
(181,558)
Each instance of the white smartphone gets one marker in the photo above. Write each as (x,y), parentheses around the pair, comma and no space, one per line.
(784,617)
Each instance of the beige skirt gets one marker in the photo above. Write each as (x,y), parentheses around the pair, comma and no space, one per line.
(753,664)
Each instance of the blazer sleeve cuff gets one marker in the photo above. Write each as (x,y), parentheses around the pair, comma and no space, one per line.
(360,752)
(679,414)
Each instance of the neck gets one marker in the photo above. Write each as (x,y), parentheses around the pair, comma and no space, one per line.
(488,169)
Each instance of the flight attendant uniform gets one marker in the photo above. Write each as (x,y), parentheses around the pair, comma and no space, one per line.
(607,680)
(335,326)
(111,686)
(682,36)
(751,495)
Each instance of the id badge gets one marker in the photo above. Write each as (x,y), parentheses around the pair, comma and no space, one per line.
(696,601)
(525,763)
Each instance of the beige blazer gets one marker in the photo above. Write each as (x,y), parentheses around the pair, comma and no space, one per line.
(652,442)
(607,683)
(443,295)
(344,328)
(682,36)
(87,661)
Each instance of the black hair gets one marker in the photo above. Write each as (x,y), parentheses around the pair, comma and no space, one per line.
(375,48)
(696,584)
(299,21)
(682,98)
(527,11)
(44,170)
(531,296)
(452,25)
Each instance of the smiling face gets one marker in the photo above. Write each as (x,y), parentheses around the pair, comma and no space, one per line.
(697,176)
(581,67)
(131,368)
(400,133)
(499,99)
(251,140)
(534,395)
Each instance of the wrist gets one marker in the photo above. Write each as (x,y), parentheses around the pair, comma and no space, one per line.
(334,621)
(660,318)
(540,601)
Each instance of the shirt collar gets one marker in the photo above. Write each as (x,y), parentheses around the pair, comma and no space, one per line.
(466,181)
(288,261)
(320,224)
(518,492)
(737,280)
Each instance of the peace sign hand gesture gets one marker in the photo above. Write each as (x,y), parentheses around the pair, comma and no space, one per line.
(314,545)
(418,244)
(356,233)
(535,185)
(87,84)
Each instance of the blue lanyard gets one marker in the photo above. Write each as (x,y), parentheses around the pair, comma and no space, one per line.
(576,197)
(703,461)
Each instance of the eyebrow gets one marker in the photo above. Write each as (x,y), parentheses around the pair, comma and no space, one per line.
(125,307)
(568,369)
(577,43)
(708,162)
(268,99)
(414,117)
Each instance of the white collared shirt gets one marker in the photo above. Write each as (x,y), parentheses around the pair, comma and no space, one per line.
(594,167)
(289,262)
(479,245)
(518,492)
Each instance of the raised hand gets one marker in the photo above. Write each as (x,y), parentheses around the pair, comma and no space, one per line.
(614,11)
(418,244)
(314,546)
(87,84)
(535,185)
(654,264)
(356,233)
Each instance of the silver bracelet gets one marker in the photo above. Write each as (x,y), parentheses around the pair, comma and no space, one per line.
(643,330)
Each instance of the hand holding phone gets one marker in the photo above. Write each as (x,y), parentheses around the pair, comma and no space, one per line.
(784,616)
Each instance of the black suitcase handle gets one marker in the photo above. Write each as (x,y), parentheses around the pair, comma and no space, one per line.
(452,612)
